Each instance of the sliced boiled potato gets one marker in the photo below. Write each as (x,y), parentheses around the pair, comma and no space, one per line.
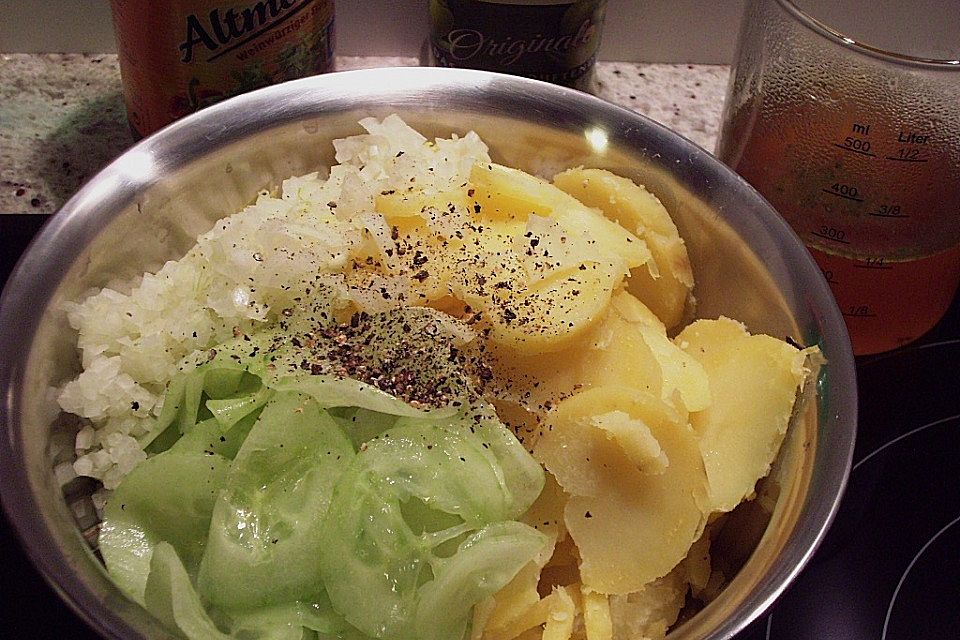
(650,612)
(396,205)
(596,614)
(412,267)
(632,310)
(613,352)
(563,614)
(464,225)
(509,192)
(548,612)
(546,512)
(652,517)
(696,567)
(515,599)
(563,569)
(635,440)
(666,286)
(521,420)
(521,594)
(754,380)
(544,317)
(506,192)
(628,347)
(684,383)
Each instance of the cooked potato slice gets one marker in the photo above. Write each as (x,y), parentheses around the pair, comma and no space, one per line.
(665,287)
(559,603)
(596,615)
(546,513)
(628,347)
(453,215)
(395,205)
(754,380)
(683,381)
(507,192)
(650,612)
(564,567)
(546,316)
(612,352)
(563,613)
(684,384)
(696,567)
(632,310)
(653,517)
(516,598)
(635,440)
(520,594)
(405,263)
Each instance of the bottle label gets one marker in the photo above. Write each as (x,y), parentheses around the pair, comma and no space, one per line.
(189,55)
(552,41)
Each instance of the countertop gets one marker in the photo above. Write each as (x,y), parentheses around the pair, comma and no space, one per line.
(62,117)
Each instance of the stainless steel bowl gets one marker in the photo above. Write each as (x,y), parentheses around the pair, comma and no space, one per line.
(150,204)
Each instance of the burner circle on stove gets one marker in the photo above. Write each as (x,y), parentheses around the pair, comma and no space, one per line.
(890,566)
(914,588)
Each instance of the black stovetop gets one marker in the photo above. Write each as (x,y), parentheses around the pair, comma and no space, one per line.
(889,568)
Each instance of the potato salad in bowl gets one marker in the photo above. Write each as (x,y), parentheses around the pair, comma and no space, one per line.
(421,395)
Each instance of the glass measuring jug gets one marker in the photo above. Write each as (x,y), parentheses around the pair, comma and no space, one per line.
(846,117)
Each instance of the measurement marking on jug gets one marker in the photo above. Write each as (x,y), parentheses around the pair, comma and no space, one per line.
(911,153)
(873,263)
(856,145)
(859,311)
(832,234)
(844,191)
(907,155)
(889,211)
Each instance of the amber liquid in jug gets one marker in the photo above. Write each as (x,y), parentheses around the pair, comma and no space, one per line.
(865,194)
(846,117)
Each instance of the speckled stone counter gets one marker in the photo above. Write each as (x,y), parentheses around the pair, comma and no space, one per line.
(62,116)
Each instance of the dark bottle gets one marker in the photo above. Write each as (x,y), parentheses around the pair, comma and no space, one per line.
(552,40)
